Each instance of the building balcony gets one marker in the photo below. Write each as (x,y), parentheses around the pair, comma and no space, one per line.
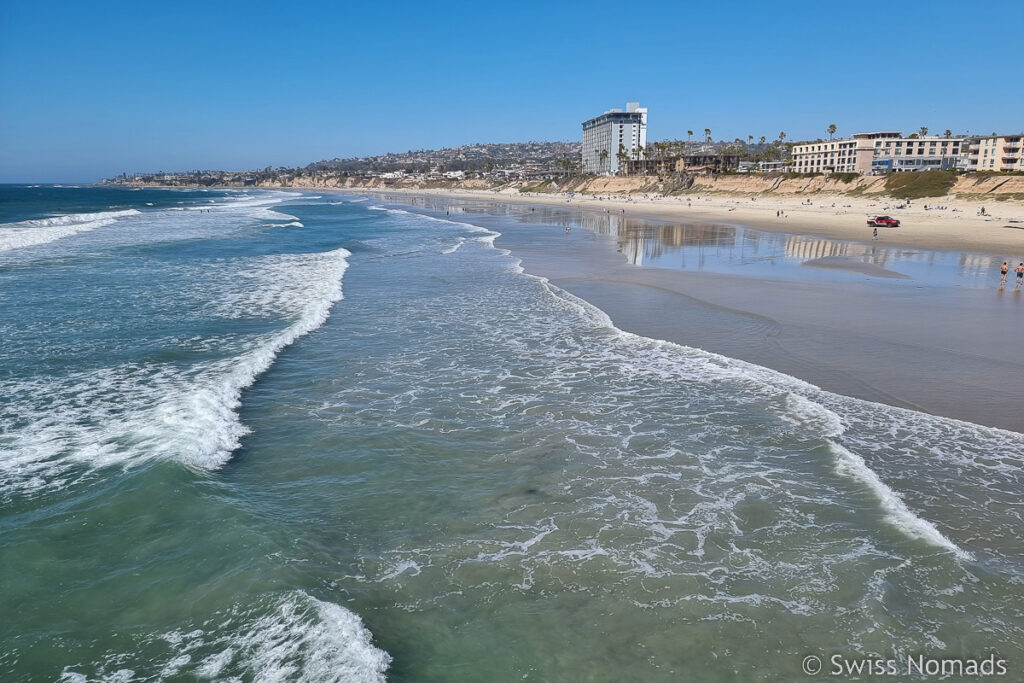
(975,148)
(1012,148)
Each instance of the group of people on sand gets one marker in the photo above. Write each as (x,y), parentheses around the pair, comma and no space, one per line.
(1005,269)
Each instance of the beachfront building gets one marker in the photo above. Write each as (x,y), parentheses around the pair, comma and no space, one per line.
(880,152)
(996,153)
(612,135)
(705,162)
(919,154)
(848,155)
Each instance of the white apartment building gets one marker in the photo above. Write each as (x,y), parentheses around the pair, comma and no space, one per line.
(996,153)
(605,135)
(879,152)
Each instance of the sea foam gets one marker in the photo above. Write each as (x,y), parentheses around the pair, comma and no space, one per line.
(801,409)
(44,230)
(128,414)
(295,637)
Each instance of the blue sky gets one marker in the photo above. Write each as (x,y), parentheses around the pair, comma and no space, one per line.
(90,89)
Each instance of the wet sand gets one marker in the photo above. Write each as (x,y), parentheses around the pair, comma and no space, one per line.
(950,351)
(958,226)
(947,348)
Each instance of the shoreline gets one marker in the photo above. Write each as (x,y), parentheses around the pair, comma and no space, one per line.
(929,349)
(957,228)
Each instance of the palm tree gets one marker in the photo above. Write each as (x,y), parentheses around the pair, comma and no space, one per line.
(948,133)
(831,130)
(750,140)
(604,157)
(689,134)
(623,156)
(924,131)
(762,140)
(707,135)
(782,135)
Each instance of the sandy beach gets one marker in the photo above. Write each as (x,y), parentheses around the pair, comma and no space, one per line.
(883,336)
(957,225)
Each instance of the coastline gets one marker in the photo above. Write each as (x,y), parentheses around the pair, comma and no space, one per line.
(930,349)
(958,227)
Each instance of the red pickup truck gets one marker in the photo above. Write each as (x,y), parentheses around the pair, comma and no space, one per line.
(884,222)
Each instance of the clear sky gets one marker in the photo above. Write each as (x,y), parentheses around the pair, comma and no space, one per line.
(91,89)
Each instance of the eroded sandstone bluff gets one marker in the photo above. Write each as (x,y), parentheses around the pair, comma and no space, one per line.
(995,186)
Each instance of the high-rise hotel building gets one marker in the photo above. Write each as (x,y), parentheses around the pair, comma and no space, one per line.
(605,135)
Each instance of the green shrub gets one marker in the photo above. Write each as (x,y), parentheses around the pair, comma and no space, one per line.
(917,184)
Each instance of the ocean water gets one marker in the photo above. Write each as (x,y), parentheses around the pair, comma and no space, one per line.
(254,435)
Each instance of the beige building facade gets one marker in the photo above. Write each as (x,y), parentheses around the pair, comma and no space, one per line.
(848,155)
(880,152)
(996,153)
(920,154)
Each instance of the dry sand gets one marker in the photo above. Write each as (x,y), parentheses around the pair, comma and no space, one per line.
(959,226)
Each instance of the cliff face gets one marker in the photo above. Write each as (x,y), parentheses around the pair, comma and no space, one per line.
(779,184)
(990,185)
(1006,187)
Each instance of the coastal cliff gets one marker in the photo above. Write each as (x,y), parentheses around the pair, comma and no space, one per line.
(996,187)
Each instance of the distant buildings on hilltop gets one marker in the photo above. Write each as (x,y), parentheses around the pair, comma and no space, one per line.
(616,143)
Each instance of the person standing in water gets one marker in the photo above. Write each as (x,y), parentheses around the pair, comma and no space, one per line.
(1020,274)
(874,234)
(1003,270)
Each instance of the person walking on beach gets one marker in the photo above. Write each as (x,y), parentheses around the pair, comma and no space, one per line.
(1020,274)
(1004,269)
(874,234)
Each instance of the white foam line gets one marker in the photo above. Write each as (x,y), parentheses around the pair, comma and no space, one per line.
(806,413)
(848,463)
(851,465)
(45,230)
(452,249)
(488,238)
(194,421)
(221,401)
(300,639)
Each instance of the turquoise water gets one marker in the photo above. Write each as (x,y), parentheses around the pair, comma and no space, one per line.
(267,436)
